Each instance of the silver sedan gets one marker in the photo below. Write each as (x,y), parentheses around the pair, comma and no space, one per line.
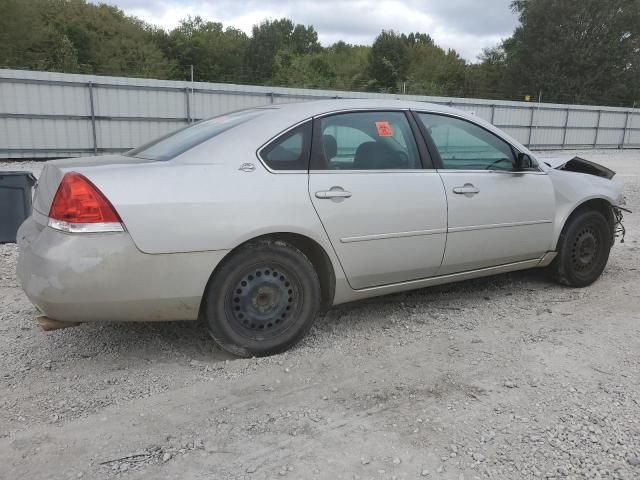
(256,220)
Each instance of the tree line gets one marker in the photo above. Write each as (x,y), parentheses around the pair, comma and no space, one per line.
(573,51)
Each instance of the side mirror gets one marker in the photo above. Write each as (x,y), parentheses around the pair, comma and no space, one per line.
(523,162)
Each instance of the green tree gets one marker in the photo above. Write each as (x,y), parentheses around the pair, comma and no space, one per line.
(271,36)
(76,36)
(27,41)
(418,38)
(487,78)
(388,61)
(340,67)
(432,70)
(576,50)
(303,71)
(304,40)
(216,54)
(351,64)
(107,41)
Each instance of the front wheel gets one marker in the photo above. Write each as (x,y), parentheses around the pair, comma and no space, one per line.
(262,300)
(583,249)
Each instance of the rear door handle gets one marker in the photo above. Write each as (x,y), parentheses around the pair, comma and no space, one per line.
(466,189)
(335,192)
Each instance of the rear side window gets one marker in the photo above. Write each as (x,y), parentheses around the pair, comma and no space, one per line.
(172,145)
(366,141)
(289,151)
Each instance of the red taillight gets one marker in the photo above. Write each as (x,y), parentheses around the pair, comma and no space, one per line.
(78,201)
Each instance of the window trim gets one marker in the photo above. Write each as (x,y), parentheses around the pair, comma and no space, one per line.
(435,154)
(423,153)
(275,138)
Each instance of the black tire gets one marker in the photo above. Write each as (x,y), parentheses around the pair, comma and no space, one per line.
(583,249)
(262,300)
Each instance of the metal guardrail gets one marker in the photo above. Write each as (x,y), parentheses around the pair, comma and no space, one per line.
(531,128)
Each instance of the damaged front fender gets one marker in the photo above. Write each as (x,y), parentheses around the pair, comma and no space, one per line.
(580,165)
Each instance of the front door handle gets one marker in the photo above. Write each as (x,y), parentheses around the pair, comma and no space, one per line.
(335,192)
(466,189)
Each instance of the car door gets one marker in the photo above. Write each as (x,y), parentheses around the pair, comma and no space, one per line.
(497,215)
(385,214)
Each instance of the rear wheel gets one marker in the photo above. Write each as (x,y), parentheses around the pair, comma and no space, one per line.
(262,300)
(583,249)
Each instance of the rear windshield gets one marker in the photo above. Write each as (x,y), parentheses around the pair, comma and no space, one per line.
(169,146)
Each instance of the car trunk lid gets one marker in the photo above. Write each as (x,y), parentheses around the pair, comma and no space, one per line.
(54,171)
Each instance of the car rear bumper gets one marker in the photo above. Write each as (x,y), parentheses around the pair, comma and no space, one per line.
(96,277)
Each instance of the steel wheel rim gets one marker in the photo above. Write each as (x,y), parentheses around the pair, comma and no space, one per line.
(264,301)
(585,250)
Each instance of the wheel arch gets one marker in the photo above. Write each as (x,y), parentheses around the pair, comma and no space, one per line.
(601,204)
(316,254)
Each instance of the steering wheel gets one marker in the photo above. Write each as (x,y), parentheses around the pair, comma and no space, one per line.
(500,160)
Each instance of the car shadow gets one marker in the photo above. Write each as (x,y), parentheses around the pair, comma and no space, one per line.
(189,340)
(449,297)
(139,341)
(501,284)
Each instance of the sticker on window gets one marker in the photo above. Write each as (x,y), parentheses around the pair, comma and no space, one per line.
(384,129)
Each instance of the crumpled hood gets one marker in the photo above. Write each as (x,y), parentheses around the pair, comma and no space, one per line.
(579,165)
(555,162)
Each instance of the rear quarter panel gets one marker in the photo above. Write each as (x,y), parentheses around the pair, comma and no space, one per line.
(171,208)
(201,200)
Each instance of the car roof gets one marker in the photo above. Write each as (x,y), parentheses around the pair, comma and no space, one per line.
(280,117)
(319,107)
(287,114)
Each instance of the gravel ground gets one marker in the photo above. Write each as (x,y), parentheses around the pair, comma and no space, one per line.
(507,377)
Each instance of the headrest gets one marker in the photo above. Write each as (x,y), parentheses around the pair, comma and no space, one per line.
(378,156)
(330,146)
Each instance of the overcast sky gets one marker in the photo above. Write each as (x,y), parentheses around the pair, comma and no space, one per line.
(465,25)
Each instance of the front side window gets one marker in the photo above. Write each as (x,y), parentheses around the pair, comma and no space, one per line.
(463,145)
(172,145)
(366,141)
(290,151)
